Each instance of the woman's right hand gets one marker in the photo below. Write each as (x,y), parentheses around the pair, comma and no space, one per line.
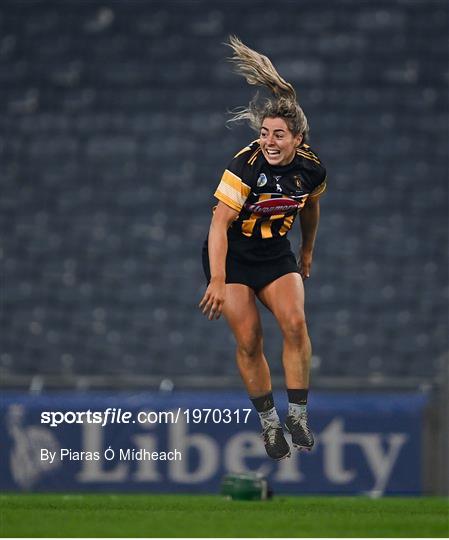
(213,299)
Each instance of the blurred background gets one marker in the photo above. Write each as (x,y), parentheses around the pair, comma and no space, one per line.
(112,142)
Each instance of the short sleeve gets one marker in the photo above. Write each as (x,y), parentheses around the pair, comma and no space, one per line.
(320,188)
(319,176)
(232,190)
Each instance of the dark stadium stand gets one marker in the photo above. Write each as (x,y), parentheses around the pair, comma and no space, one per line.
(112,142)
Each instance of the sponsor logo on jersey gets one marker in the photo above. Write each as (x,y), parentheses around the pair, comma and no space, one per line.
(262,180)
(272,206)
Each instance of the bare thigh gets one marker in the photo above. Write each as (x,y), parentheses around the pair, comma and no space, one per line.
(284,297)
(242,315)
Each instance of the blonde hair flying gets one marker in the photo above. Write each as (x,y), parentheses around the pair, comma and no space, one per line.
(259,71)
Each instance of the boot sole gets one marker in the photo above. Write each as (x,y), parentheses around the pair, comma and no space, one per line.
(298,446)
(283,457)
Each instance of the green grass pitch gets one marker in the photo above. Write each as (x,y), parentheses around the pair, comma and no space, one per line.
(125,515)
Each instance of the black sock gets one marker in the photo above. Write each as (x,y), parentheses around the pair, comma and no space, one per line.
(268,415)
(263,403)
(298,396)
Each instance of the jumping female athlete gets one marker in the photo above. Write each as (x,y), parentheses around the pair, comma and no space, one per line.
(247,253)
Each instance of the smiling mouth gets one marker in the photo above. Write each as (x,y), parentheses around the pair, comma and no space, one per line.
(272,153)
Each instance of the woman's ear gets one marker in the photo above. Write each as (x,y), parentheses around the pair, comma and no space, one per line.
(299,139)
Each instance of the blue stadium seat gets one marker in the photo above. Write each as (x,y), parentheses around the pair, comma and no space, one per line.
(112,140)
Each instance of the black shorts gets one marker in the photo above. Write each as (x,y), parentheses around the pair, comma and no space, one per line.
(255,262)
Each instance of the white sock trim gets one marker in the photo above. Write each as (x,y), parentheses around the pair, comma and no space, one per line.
(269,417)
(295,409)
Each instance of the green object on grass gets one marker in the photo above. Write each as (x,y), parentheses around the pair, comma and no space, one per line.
(245,487)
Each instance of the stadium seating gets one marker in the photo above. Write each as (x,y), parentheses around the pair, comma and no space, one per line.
(113,139)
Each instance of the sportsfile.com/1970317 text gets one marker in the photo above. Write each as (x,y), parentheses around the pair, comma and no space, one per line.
(113,415)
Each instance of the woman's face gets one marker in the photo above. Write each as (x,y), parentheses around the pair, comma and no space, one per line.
(277,142)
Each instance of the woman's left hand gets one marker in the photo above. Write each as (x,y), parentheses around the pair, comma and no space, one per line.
(305,263)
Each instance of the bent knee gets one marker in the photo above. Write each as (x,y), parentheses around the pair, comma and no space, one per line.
(250,345)
(294,327)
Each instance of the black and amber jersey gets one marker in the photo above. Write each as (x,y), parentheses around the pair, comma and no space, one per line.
(268,198)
